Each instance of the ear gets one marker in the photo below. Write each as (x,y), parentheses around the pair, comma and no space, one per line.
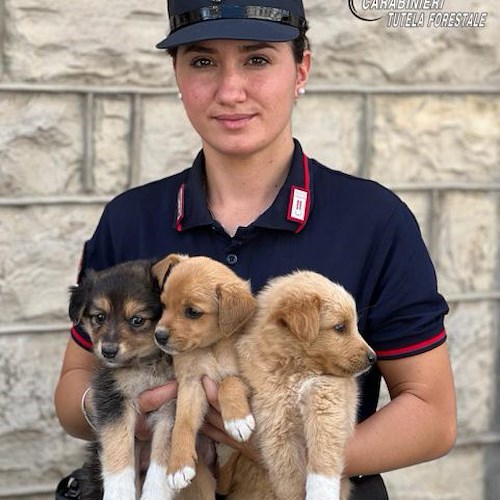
(300,315)
(303,69)
(162,269)
(236,306)
(79,296)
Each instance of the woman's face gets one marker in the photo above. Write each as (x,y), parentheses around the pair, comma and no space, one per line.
(239,95)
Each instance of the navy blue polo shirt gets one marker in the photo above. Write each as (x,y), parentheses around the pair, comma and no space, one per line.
(352,230)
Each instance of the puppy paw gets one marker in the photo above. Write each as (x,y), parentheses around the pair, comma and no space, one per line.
(119,485)
(319,487)
(240,429)
(156,484)
(181,478)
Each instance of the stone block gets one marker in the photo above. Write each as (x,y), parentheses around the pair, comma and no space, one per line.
(457,476)
(436,139)
(40,144)
(350,51)
(471,341)
(468,246)
(35,449)
(111,144)
(328,128)
(86,42)
(169,142)
(41,248)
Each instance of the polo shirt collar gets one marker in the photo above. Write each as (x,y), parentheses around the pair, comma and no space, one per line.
(289,211)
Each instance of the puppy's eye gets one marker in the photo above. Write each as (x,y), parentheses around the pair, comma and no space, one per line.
(192,313)
(137,321)
(339,327)
(99,318)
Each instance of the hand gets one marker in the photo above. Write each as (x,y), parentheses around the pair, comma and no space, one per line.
(151,400)
(213,426)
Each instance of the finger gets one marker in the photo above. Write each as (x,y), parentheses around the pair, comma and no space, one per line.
(213,417)
(211,390)
(220,436)
(152,399)
(142,430)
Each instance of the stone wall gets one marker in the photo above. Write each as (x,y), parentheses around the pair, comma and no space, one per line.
(88,108)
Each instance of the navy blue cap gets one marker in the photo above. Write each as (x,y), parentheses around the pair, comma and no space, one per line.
(197,20)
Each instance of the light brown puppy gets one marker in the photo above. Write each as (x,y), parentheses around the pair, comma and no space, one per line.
(300,355)
(205,305)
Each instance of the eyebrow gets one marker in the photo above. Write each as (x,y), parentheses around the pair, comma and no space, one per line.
(251,47)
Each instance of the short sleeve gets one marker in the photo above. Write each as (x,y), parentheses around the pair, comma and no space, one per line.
(406,316)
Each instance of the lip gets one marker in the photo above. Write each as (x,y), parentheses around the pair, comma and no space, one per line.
(234,121)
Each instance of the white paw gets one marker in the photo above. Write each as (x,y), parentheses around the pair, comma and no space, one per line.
(156,485)
(240,429)
(119,485)
(181,478)
(319,487)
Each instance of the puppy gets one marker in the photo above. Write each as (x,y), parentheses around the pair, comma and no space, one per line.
(119,308)
(204,306)
(300,355)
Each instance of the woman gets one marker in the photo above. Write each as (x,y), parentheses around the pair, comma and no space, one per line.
(254,200)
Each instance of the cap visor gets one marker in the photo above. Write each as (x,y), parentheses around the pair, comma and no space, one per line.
(233,29)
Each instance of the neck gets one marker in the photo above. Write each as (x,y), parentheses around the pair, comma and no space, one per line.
(240,188)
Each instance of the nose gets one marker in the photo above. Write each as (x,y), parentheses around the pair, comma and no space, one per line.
(372,357)
(161,336)
(109,351)
(230,88)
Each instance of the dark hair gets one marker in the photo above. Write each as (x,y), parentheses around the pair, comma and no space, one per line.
(299,45)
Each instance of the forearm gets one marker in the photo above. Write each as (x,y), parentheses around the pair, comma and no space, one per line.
(419,424)
(405,432)
(68,399)
(76,373)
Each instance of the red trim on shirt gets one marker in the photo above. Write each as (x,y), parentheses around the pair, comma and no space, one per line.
(413,348)
(305,162)
(79,339)
(180,207)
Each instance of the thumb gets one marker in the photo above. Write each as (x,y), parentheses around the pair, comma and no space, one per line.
(212,391)
(152,399)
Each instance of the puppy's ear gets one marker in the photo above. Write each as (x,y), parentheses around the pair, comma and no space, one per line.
(162,269)
(79,296)
(236,306)
(300,315)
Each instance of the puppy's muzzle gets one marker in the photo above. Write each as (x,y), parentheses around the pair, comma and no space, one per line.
(109,350)
(161,336)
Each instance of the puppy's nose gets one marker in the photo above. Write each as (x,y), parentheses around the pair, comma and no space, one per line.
(161,336)
(372,357)
(109,351)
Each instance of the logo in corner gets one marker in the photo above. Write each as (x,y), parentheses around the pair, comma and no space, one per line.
(355,13)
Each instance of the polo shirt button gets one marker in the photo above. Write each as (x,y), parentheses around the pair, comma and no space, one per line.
(231,259)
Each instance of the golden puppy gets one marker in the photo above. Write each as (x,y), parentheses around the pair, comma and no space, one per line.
(300,355)
(204,305)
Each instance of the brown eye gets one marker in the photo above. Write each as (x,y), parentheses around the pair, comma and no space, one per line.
(192,313)
(339,327)
(137,321)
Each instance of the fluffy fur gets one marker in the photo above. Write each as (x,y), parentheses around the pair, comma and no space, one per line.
(300,355)
(119,308)
(205,305)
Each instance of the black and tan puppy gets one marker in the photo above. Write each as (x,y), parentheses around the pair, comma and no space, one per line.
(119,308)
